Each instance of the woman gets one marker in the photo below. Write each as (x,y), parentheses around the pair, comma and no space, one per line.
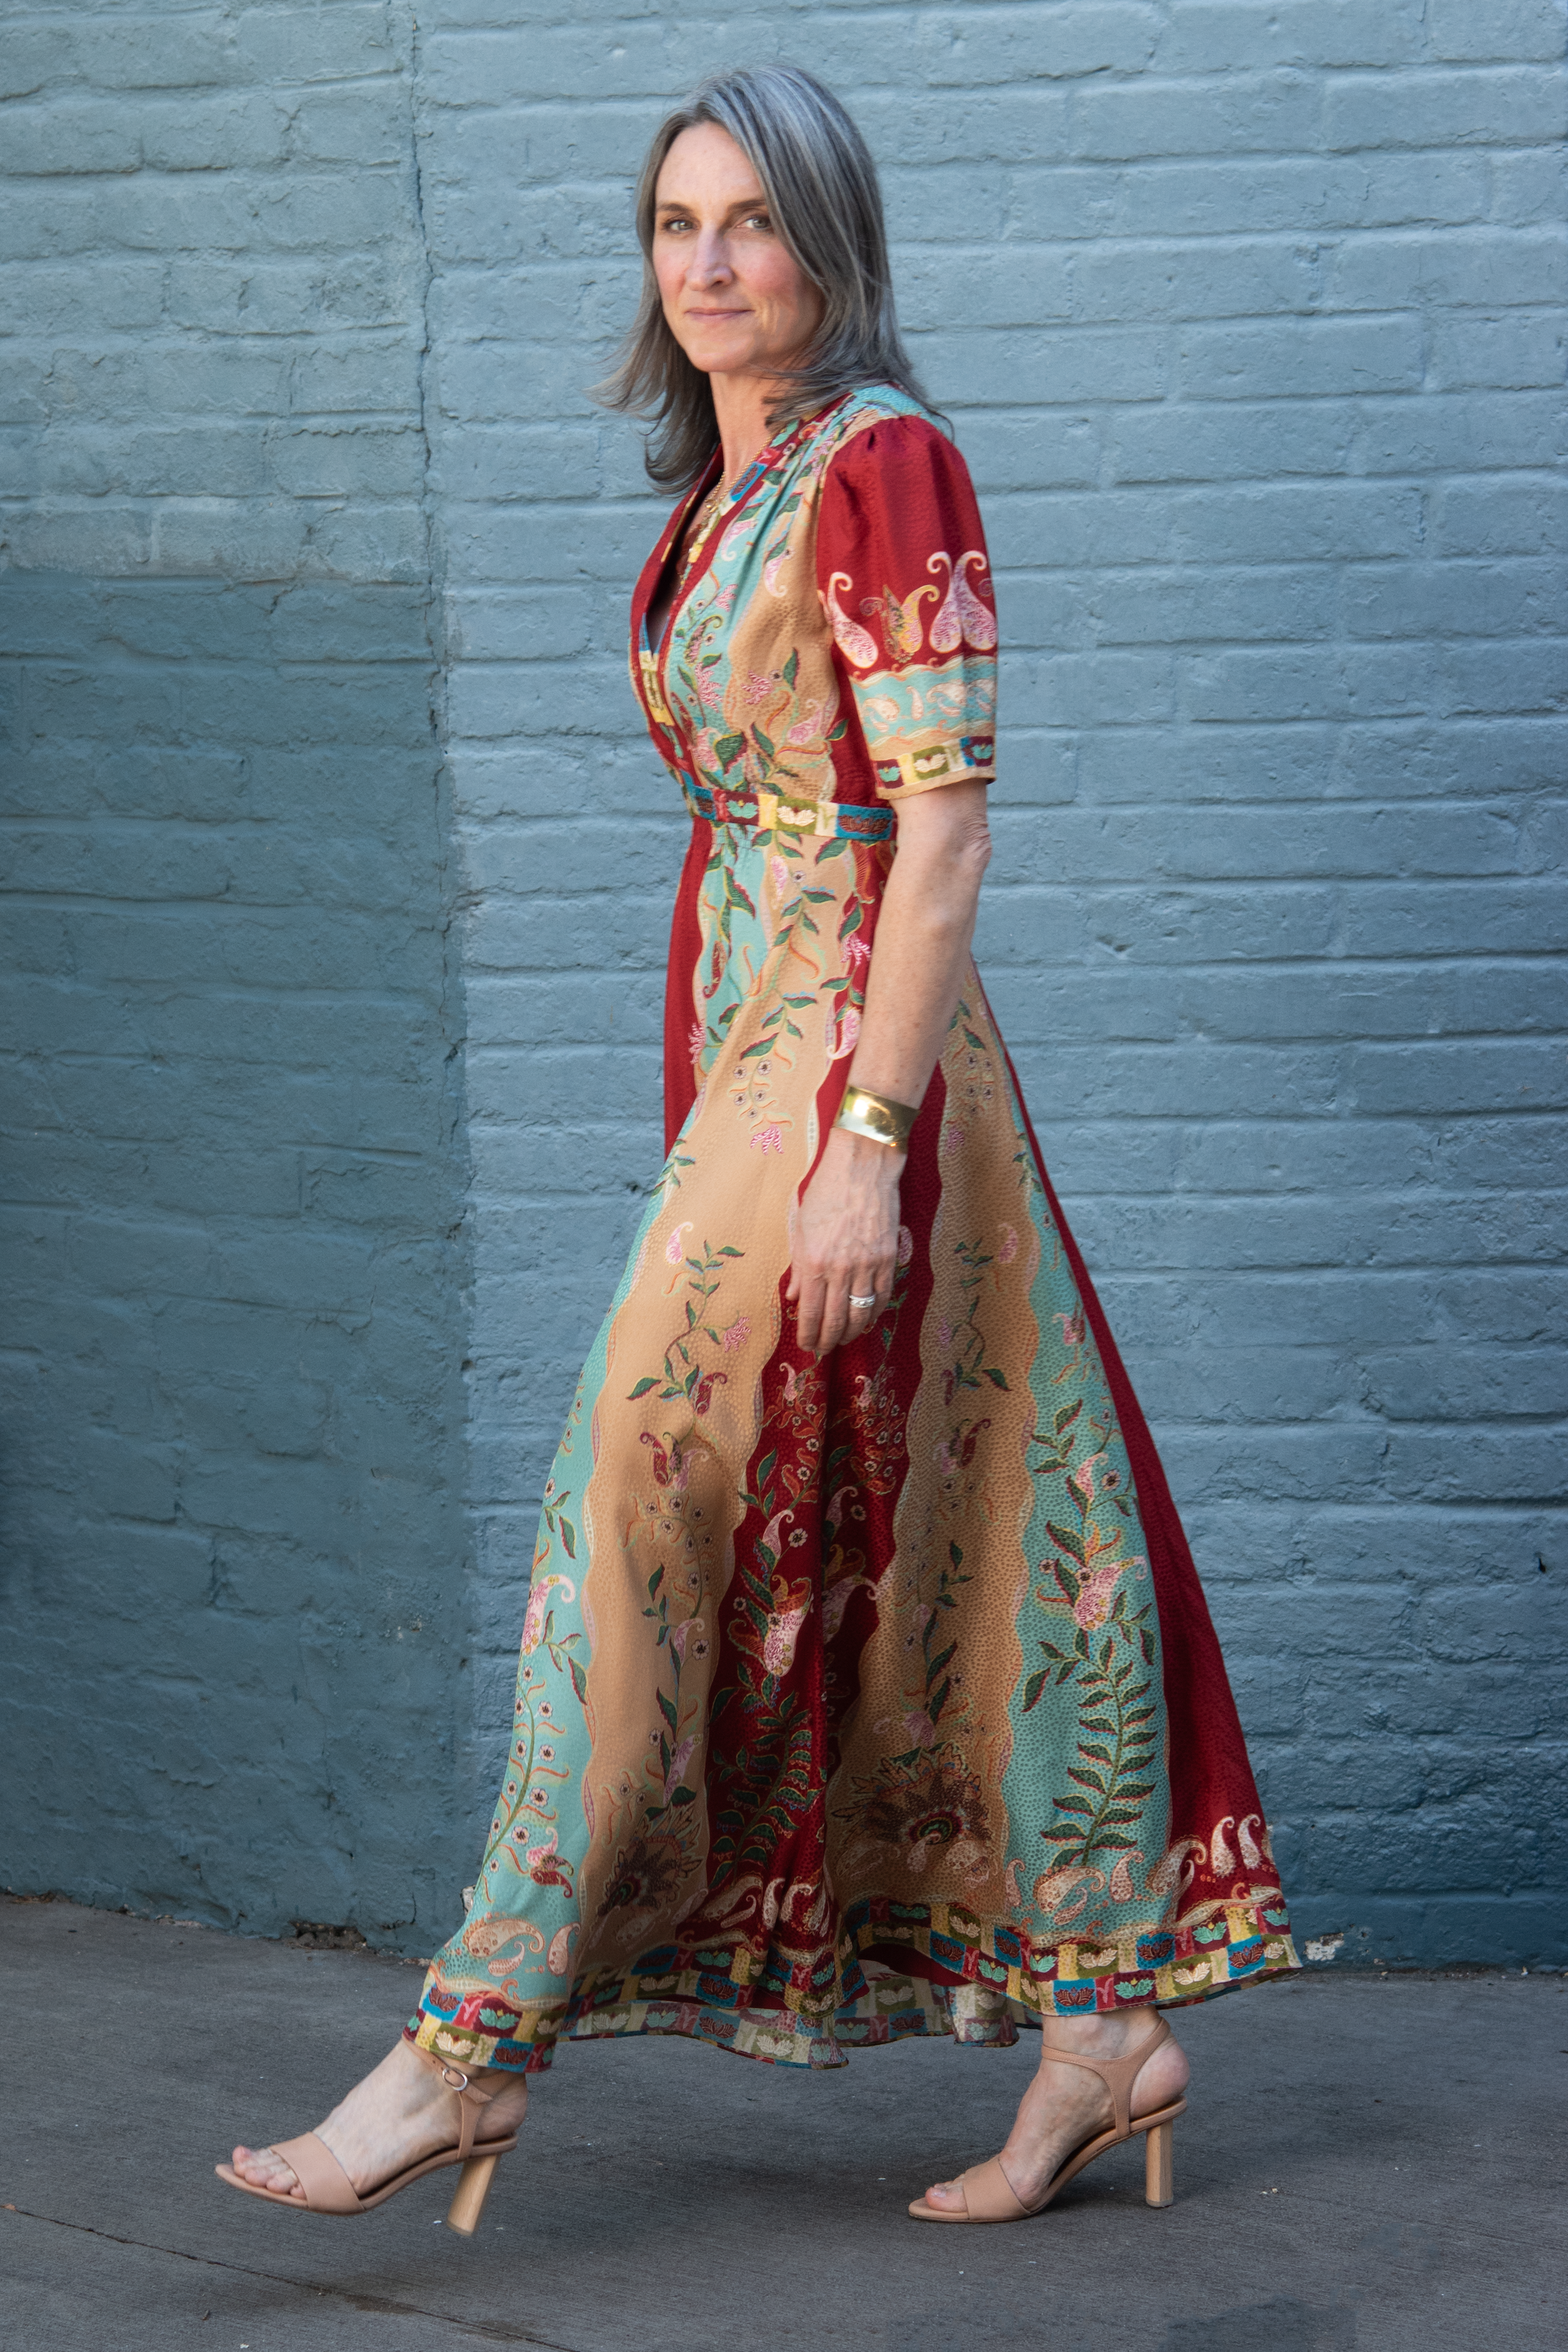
(867,1688)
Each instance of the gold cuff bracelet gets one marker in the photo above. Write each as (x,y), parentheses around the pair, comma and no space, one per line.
(875,1117)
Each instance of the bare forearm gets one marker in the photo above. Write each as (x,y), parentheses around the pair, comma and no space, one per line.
(924,930)
(847,1225)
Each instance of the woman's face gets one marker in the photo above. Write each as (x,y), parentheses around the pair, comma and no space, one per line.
(737,301)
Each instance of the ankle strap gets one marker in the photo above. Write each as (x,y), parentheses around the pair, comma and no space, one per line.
(1118,2074)
(471,2104)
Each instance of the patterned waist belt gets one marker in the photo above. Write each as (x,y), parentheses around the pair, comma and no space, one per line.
(767,811)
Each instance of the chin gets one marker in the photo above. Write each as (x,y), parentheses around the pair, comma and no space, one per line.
(721,362)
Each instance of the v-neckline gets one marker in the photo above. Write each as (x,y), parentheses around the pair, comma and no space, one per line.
(700,490)
(753,476)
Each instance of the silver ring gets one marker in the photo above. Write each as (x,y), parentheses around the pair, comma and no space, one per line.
(862,1303)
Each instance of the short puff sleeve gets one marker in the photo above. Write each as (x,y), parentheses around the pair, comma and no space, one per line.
(905,582)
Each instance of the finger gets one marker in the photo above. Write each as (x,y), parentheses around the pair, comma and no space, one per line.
(841,1322)
(863,1286)
(878,1285)
(808,1313)
(824,1320)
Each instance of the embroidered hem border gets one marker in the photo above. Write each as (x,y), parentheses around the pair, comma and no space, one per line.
(999,1984)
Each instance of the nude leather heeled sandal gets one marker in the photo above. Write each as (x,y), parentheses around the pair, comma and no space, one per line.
(329,2189)
(988,2194)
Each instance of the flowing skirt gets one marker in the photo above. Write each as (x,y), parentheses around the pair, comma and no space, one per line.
(863,1698)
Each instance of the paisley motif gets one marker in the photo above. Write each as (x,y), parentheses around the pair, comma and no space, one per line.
(875,1696)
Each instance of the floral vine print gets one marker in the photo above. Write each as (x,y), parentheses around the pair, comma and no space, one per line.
(875,1695)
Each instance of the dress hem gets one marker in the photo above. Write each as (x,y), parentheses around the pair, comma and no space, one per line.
(986,1981)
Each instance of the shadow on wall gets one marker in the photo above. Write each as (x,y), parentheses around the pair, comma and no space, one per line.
(233,1548)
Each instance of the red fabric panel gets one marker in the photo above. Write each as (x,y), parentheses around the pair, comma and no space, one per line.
(773,1744)
(680,1013)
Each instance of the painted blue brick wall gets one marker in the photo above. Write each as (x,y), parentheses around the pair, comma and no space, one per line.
(234,1543)
(1250,319)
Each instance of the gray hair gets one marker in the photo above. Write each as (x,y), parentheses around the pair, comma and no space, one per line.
(821,186)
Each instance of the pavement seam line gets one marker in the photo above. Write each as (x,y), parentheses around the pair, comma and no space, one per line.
(490,2332)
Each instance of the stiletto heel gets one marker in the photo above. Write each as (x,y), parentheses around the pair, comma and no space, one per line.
(329,2189)
(473,2188)
(1158,2144)
(989,2195)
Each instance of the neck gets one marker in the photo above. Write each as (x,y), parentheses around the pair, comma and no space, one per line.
(740,405)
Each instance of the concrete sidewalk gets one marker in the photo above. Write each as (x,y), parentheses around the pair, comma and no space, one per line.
(1366,2163)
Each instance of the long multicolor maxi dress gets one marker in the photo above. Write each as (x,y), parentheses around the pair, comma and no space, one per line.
(874,1696)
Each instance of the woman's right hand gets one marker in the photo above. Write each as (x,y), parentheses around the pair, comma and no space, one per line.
(846,1241)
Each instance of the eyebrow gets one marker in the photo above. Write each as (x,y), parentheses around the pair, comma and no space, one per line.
(757,204)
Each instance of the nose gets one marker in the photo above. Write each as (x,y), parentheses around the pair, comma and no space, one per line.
(710,264)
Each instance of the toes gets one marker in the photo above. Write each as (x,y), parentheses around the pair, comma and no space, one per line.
(263,2170)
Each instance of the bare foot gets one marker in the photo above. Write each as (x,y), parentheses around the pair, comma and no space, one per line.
(402,2111)
(1065,2105)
